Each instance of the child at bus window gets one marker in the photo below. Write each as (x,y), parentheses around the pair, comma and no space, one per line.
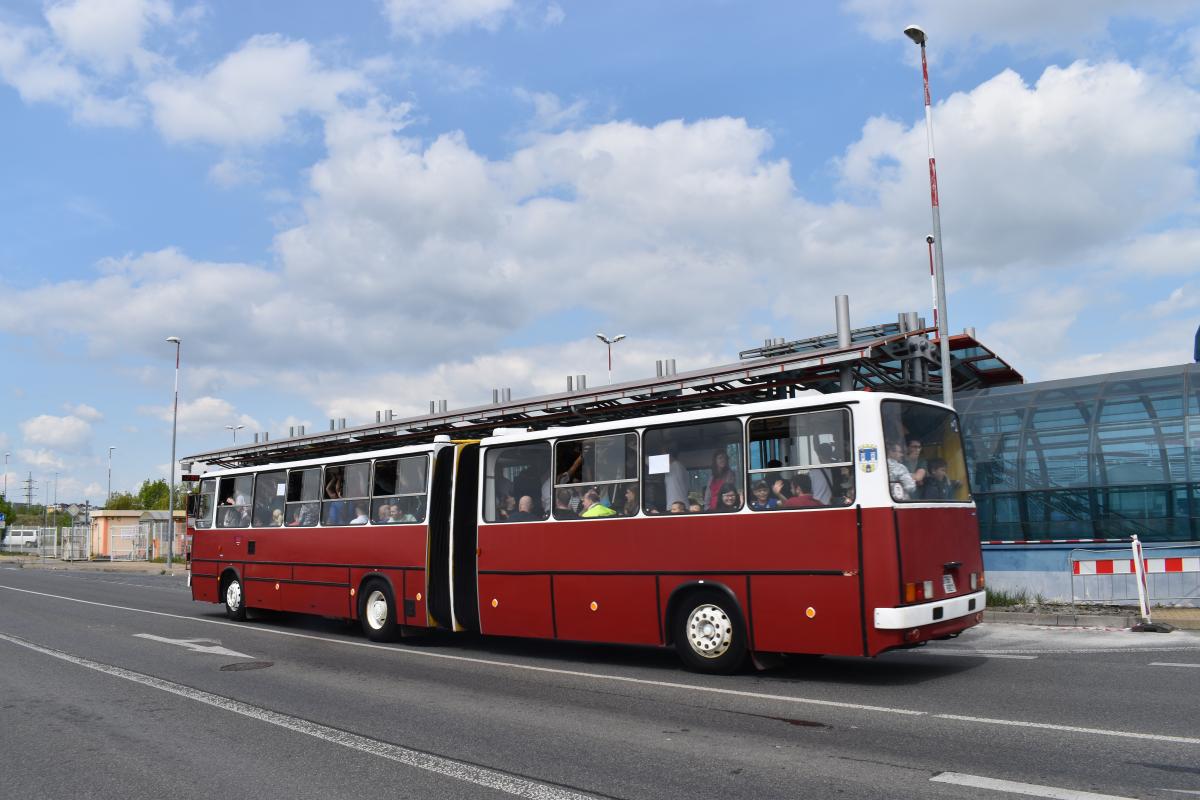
(277,517)
(695,508)
(762,499)
(728,499)
(903,482)
(937,485)
(678,507)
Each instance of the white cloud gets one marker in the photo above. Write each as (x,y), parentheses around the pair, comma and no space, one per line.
(83,411)
(251,96)
(1072,26)
(207,416)
(107,33)
(230,172)
(549,113)
(416,19)
(1182,299)
(41,459)
(69,433)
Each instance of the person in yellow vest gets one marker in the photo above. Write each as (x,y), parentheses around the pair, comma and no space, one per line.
(592,507)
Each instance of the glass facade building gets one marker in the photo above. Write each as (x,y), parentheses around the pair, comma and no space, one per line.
(1094,458)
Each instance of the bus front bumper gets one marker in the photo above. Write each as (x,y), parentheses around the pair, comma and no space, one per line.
(930,613)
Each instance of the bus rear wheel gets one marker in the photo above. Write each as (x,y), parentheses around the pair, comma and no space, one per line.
(377,611)
(235,599)
(709,634)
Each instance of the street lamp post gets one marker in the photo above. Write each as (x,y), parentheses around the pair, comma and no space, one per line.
(175,340)
(6,455)
(610,342)
(915,33)
(235,429)
(108,497)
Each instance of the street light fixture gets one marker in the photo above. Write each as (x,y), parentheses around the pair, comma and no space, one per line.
(6,455)
(610,342)
(108,497)
(917,34)
(175,340)
(235,429)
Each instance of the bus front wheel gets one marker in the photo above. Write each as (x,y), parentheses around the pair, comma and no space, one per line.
(709,634)
(235,599)
(377,611)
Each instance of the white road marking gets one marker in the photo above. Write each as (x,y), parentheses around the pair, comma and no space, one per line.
(195,645)
(1181,791)
(1172,664)
(965,653)
(1013,787)
(1049,726)
(405,652)
(447,767)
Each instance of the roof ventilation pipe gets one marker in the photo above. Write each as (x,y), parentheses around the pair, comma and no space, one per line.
(841,310)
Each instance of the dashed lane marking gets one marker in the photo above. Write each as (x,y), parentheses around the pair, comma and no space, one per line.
(1014,787)
(596,676)
(440,765)
(1172,664)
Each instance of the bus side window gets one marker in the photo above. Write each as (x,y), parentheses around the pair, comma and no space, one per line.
(235,495)
(516,468)
(801,461)
(596,477)
(693,468)
(398,490)
(268,499)
(303,497)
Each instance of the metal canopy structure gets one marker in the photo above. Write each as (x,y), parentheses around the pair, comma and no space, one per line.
(881,357)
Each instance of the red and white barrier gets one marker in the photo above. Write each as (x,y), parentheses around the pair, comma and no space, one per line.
(1125,566)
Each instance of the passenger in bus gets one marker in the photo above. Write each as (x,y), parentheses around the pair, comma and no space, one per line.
(720,475)
(801,493)
(360,515)
(630,507)
(728,499)
(678,507)
(761,499)
(676,481)
(563,504)
(695,508)
(524,512)
(822,477)
(903,483)
(912,458)
(506,505)
(277,517)
(937,485)
(592,507)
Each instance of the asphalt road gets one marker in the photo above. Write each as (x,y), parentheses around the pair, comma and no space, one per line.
(120,686)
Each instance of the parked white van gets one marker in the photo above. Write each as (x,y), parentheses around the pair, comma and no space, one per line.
(21,537)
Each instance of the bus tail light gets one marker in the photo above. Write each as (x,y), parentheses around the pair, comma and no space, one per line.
(910,593)
(974,581)
(918,591)
(928,586)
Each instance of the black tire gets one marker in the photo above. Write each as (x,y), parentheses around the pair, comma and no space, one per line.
(377,611)
(709,633)
(233,594)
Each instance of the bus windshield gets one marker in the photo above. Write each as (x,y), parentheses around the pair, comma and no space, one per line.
(924,448)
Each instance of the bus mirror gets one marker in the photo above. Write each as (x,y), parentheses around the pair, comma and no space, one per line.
(193,500)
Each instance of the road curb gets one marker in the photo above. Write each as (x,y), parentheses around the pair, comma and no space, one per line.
(1062,620)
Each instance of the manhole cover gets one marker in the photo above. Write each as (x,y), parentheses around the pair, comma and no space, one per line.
(243,666)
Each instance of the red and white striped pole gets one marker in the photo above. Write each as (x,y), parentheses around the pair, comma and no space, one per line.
(915,33)
(1139,569)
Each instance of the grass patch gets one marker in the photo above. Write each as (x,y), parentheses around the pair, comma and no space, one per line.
(163,560)
(998,598)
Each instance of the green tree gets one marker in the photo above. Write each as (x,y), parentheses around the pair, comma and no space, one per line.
(154,495)
(122,501)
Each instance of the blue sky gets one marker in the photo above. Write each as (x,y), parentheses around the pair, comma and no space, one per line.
(346,207)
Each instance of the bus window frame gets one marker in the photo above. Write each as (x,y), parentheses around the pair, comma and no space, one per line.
(208,520)
(424,506)
(329,501)
(916,501)
(849,412)
(254,498)
(320,469)
(487,477)
(738,418)
(637,481)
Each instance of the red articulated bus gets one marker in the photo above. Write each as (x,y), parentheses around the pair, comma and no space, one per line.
(825,524)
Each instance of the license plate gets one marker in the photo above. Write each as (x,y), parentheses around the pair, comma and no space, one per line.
(948,584)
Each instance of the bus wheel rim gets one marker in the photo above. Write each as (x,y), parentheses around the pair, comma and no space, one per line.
(377,610)
(233,594)
(709,631)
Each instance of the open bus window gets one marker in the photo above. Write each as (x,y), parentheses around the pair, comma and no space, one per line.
(801,461)
(234,508)
(596,477)
(689,467)
(269,490)
(516,477)
(399,490)
(346,498)
(925,461)
(303,497)
(204,508)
